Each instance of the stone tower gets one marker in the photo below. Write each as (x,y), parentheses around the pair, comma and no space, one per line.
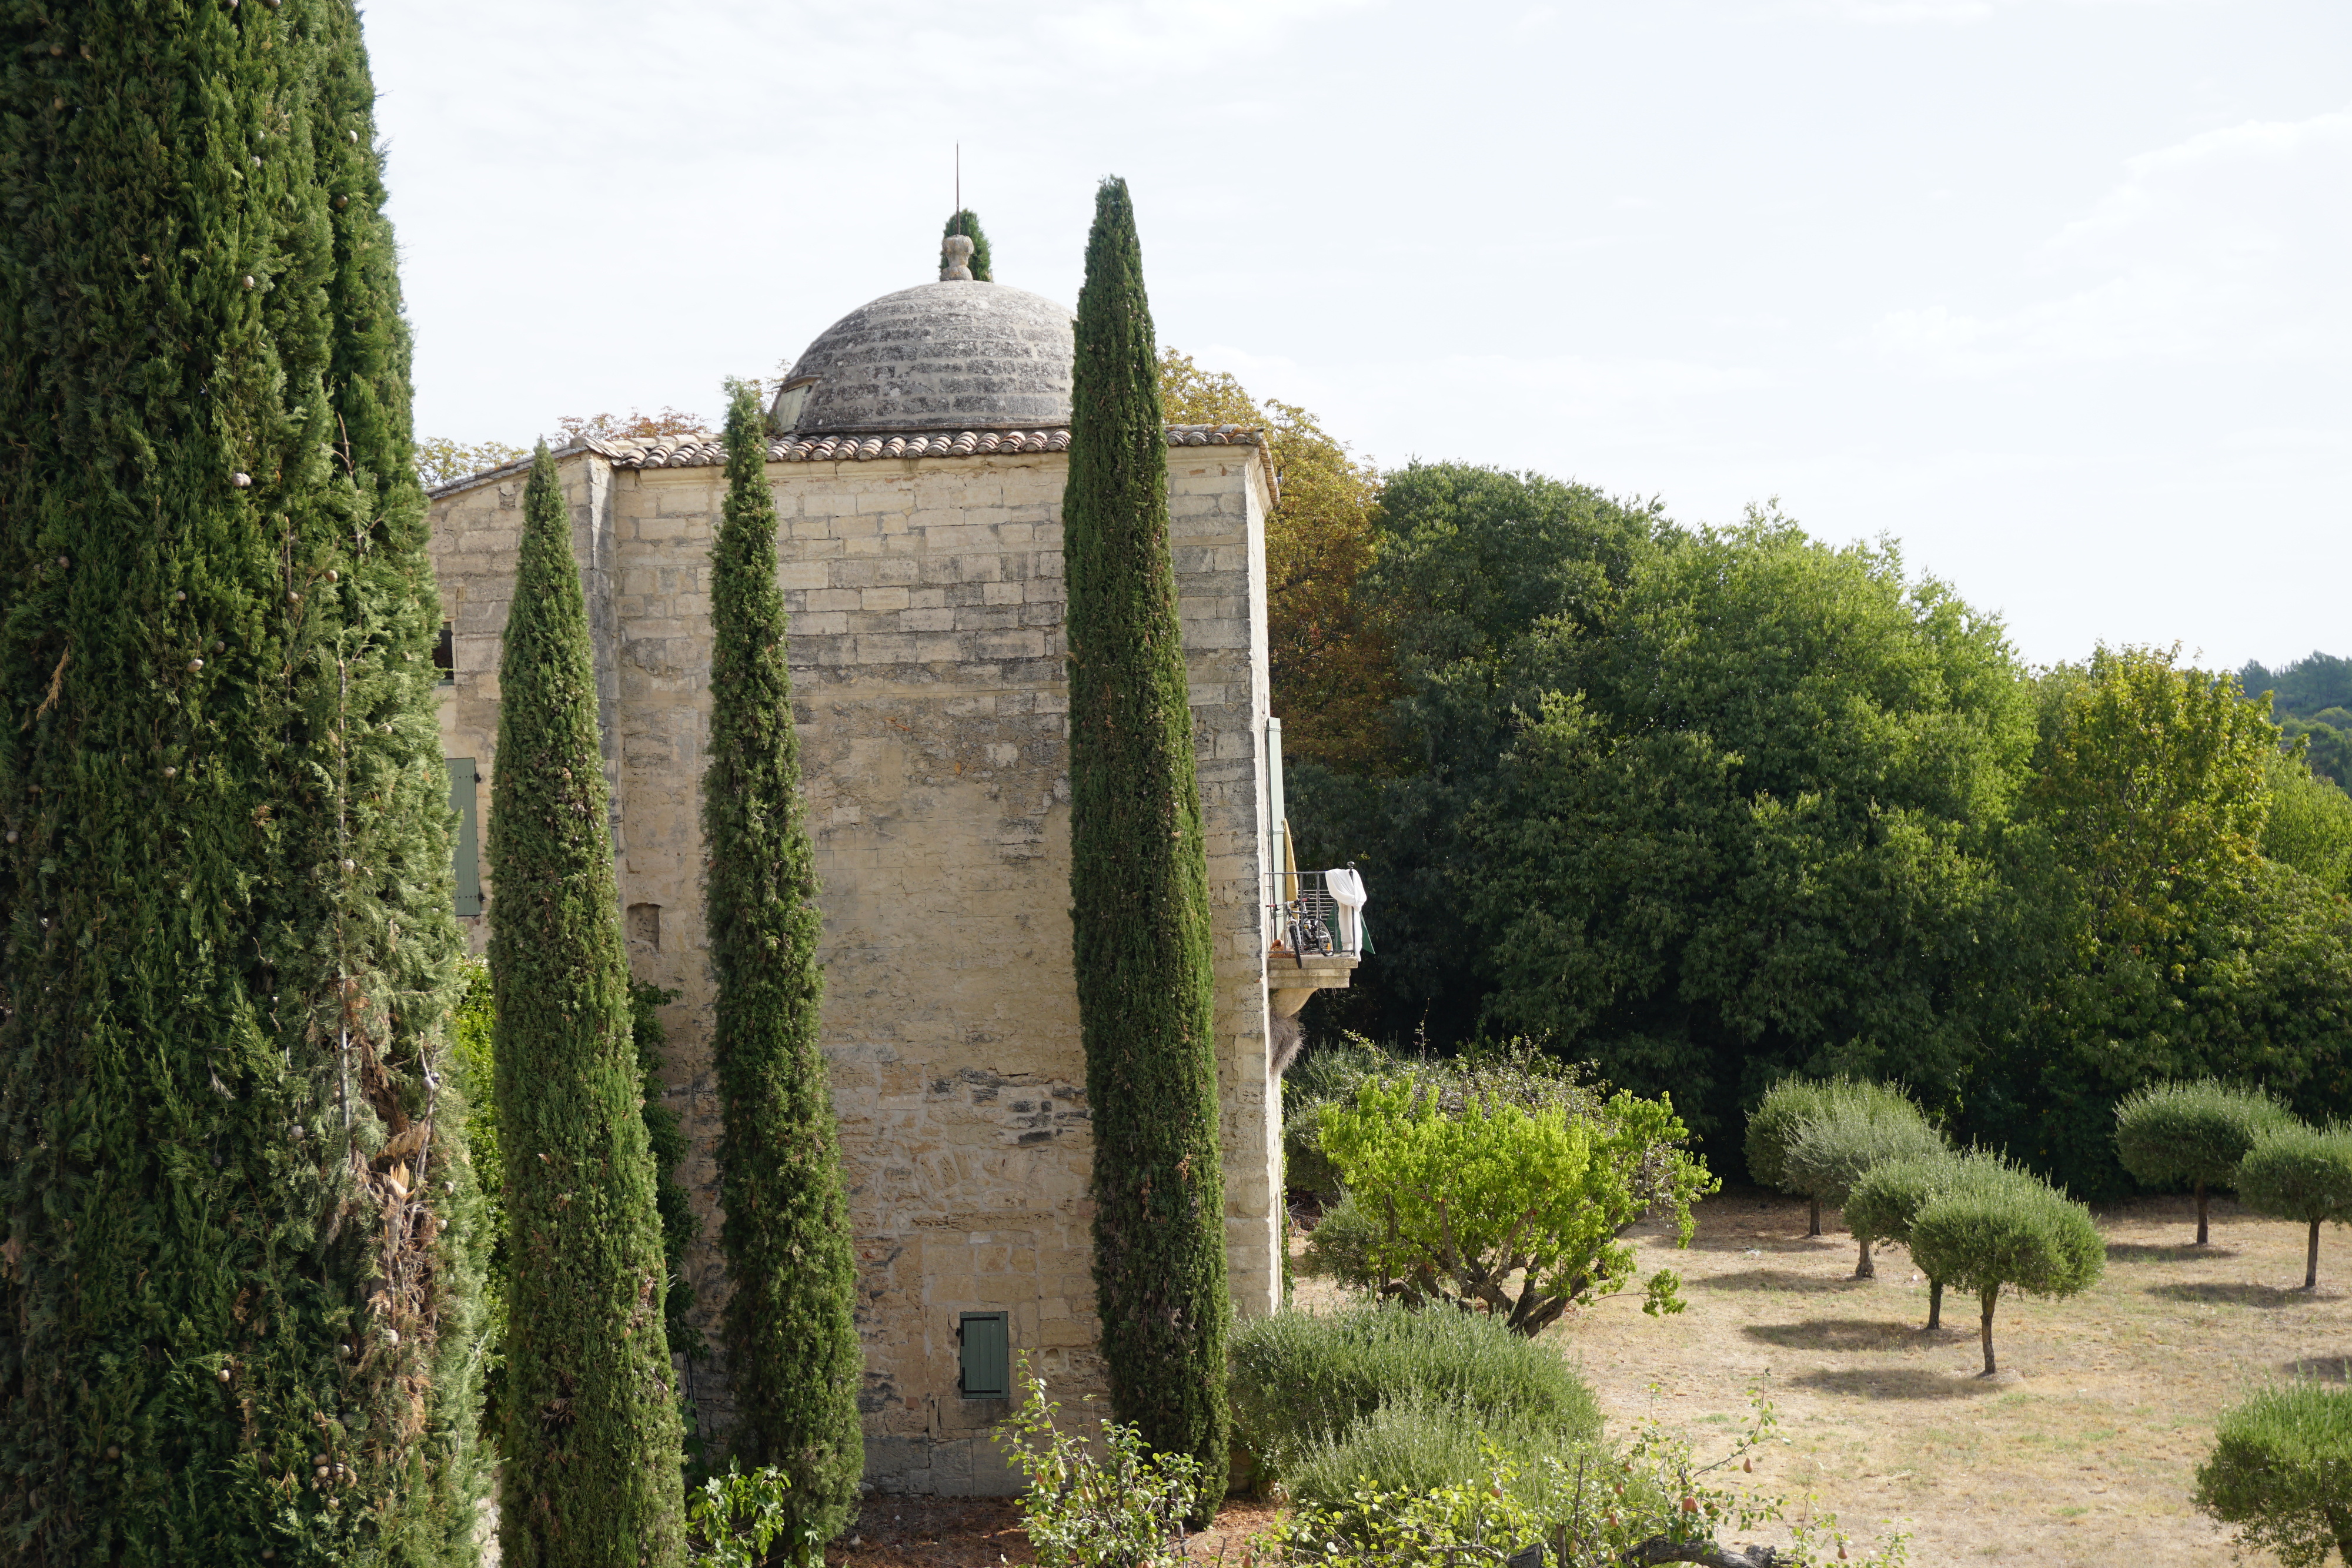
(918,453)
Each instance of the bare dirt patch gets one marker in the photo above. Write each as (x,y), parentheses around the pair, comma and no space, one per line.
(2084,1450)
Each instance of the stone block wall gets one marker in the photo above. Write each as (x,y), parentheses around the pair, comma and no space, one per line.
(926,650)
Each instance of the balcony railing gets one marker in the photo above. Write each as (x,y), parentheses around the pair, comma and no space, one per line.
(1311,917)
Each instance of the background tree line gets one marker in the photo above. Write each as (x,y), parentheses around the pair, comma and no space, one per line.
(1710,806)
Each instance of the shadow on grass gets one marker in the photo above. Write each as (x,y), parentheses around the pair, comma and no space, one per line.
(2147,1252)
(2320,1368)
(1900,1382)
(1837,1334)
(2269,1296)
(1780,1279)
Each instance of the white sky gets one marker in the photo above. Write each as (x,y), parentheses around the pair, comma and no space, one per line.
(2058,293)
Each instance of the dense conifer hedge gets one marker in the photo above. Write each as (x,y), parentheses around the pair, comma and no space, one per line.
(1139,881)
(236,1289)
(793,1359)
(591,1436)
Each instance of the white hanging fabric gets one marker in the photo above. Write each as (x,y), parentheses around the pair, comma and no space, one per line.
(1346,889)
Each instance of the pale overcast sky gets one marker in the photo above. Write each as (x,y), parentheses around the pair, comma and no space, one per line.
(2057,293)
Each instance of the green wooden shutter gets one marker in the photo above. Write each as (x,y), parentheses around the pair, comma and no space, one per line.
(987,1357)
(469,841)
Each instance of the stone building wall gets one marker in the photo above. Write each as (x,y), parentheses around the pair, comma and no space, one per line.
(927,654)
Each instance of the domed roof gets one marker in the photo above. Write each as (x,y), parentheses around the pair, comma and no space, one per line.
(940,356)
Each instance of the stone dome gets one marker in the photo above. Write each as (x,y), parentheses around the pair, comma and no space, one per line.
(940,356)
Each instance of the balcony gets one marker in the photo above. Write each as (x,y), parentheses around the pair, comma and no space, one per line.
(1315,924)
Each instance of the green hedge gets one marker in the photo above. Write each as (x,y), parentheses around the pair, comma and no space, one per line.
(1302,1382)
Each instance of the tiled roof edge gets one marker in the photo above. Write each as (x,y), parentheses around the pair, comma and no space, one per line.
(707,451)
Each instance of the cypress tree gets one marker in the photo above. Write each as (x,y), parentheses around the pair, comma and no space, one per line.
(234,1289)
(592,1436)
(967,224)
(793,1359)
(1139,883)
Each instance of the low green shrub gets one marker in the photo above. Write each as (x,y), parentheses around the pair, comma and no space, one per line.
(1339,1247)
(2196,1134)
(1123,1507)
(2296,1172)
(1836,1147)
(732,1519)
(2281,1471)
(2017,1233)
(1653,1502)
(1303,1381)
(1417,1447)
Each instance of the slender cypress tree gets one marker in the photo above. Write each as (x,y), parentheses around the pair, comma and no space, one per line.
(1139,883)
(967,224)
(234,1289)
(593,1436)
(793,1359)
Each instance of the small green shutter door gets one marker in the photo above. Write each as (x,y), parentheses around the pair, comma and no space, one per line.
(987,1357)
(467,843)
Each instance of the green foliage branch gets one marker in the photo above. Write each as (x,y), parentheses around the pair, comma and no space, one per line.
(2304,1174)
(2195,1132)
(592,1438)
(792,1350)
(2280,1470)
(1139,885)
(1468,1196)
(1122,1505)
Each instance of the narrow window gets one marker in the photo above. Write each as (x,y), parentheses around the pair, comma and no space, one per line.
(987,1357)
(445,655)
(468,842)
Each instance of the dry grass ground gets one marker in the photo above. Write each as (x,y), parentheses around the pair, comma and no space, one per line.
(2084,1450)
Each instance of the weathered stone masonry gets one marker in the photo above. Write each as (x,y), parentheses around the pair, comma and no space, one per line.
(927,603)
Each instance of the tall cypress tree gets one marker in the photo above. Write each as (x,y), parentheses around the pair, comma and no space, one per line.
(967,223)
(1139,883)
(234,1287)
(794,1360)
(592,1436)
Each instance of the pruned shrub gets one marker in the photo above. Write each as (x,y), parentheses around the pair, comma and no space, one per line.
(2195,1133)
(2017,1233)
(1413,1448)
(1117,1505)
(2300,1173)
(1773,1126)
(1471,1191)
(1891,1195)
(1837,1147)
(2281,1471)
(1301,1382)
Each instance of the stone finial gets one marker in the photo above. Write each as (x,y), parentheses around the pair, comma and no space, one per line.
(955,258)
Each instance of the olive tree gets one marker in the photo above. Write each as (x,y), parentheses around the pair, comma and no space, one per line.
(2194,1132)
(1892,1192)
(2023,1234)
(2300,1173)
(2281,1471)
(1837,1148)
(1774,1125)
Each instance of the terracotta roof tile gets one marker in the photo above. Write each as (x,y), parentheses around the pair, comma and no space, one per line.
(707,451)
